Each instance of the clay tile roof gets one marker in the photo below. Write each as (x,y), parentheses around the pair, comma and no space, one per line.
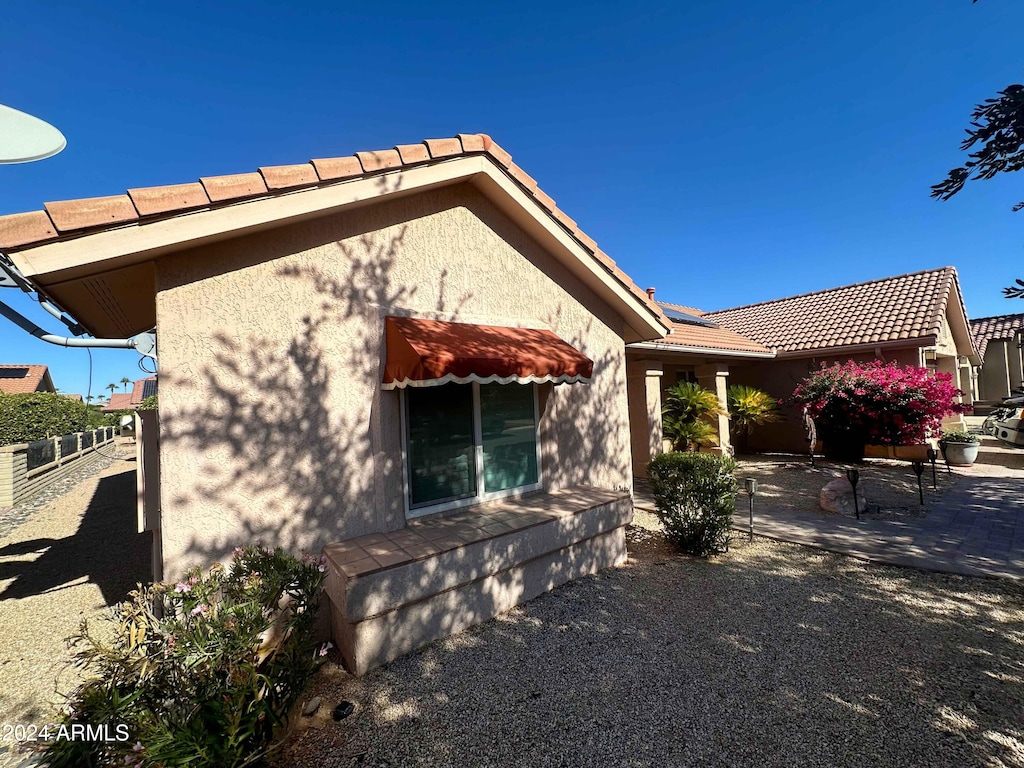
(76,218)
(22,379)
(711,338)
(891,309)
(119,401)
(985,329)
(142,389)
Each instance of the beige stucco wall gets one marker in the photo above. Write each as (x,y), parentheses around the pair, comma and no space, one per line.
(273,423)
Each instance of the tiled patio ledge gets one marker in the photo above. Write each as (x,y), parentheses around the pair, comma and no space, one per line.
(393,592)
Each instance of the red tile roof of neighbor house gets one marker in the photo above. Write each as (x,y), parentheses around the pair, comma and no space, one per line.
(73,218)
(984,329)
(119,401)
(21,379)
(906,307)
(141,389)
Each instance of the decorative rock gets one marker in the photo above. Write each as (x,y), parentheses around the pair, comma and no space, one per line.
(837,497)
(311,707)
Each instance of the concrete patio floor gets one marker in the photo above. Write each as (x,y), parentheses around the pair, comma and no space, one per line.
(976,529)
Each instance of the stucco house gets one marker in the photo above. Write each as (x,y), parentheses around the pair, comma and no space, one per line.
(411,359)
(123,401)
(999,340)
(913,319)
(25,379)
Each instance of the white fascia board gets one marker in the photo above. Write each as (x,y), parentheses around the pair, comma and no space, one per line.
(655,346)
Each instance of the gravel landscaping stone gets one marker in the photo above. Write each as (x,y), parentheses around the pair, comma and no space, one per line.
(73,554)
(770,655)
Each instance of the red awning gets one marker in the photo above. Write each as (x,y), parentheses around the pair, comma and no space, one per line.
(426,353)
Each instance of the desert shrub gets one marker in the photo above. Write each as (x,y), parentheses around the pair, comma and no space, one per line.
(28,417)
(199,672)
(694,494)
(685,413)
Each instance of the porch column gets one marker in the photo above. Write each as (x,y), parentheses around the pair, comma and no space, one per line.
(965,379)
(951,365)
(995,374)
(714,376)
(643,392)
(1016,364)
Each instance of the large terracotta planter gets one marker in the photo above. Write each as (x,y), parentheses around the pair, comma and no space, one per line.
(960,454)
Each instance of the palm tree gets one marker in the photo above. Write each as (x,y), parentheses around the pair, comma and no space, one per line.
(125,382)
(89,398)
(749,407)
(112,388)
(685,416)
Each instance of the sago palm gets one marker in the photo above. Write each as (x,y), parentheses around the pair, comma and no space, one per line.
(750,407)
(685,413)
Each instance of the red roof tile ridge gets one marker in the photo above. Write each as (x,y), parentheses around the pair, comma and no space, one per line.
(85,216)
(830,290)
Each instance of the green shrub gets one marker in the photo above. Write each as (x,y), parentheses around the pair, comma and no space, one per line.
(35,416)
(695,495)
(685,416)
(200,672)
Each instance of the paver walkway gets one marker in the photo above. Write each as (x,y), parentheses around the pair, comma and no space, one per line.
(977,529)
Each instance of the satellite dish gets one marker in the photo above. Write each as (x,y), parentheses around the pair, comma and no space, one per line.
(24,138)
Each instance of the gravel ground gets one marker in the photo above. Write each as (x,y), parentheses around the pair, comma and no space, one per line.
(75,554)
(770,655)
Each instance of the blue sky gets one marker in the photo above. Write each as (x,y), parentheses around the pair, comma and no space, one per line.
(724,153)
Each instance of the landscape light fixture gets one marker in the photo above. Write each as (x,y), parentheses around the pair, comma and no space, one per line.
(918,466)
(853,476)
(932,456)
(751,486)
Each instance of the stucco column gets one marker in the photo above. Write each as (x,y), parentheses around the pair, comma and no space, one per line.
(643,391)
(965,379)
(715,376)
(950,365)
(995,374)
(1016,362)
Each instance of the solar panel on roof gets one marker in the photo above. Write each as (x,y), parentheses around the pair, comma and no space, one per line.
(686,317)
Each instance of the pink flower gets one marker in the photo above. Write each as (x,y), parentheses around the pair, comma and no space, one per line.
(200,609)
(182,587)
(326,647)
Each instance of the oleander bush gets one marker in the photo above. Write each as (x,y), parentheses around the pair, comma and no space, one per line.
(38,415)
(694,495)
(199,672)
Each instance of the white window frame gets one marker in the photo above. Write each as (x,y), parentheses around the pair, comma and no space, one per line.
(478,450)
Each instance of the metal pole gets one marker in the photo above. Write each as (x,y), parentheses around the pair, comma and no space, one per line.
(919,470)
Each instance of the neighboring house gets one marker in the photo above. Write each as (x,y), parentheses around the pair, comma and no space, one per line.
(411,358)
(914,319)
(999,341)
(122,401)
(76,398)
(25,379)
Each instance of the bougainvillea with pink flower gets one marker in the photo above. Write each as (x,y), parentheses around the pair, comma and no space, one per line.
(878,403)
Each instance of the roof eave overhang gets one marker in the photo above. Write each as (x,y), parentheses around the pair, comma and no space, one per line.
(73,259)
(867,348)
(654,346)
